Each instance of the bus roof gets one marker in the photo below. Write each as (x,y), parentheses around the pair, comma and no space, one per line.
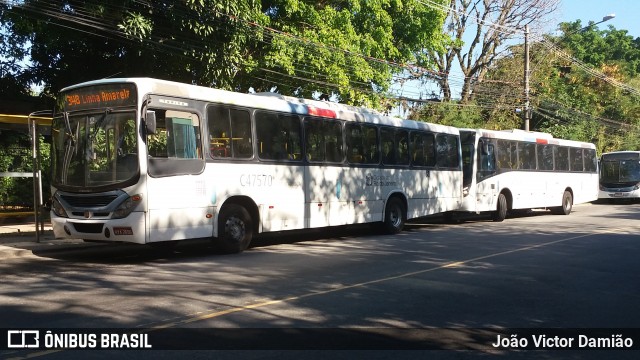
(621,155)
(269,102)
(530,136)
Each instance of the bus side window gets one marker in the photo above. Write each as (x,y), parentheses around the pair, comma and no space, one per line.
(424,149)
(333,141)
(576,160)
(486,159)
(183,135)
(323,140)
(545,157)
(229,133)
(402,147)
(354,144)
(417,146)
(561,158)
(527,155)
(388,148)
(314,140)
(590,161)
(219,131)
(372,151)
(279,136)
(507,155)
(447,155)
(241,145)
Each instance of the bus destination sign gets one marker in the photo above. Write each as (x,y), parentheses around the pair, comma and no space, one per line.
(101,96)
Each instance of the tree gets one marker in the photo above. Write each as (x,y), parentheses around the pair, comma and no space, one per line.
(15,156)
(575,92)
(346,49)
(591,96)
(74,41)
(478,31)
(349,49)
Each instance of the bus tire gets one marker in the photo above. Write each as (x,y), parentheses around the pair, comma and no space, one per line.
(234,229)
(501,209)
(394,216)
(567,205)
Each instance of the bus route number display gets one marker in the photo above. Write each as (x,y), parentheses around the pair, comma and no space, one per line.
(91,97)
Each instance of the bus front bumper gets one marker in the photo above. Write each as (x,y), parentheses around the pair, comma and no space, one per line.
(130,229)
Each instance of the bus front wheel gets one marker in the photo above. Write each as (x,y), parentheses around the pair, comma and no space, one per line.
(394,216)
(501,209)
(234,229)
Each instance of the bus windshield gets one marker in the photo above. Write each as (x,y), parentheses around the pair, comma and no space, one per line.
(95,150)
(620,172)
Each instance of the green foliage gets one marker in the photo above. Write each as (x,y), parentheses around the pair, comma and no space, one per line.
(583,106)
(202,42)
(449,114)
(136,25)
(339,48)
(567,100)
(342,48)
(15,156)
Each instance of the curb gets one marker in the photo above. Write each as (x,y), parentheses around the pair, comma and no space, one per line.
(20,243)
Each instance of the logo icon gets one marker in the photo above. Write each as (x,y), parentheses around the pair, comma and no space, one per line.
(21,339)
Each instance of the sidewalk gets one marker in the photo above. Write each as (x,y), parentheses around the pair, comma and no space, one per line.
(19,240)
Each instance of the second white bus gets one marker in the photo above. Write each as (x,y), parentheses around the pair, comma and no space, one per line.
(510,170)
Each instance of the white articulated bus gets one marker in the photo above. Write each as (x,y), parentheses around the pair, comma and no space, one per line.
(150,162)
(620,175)
(509,170)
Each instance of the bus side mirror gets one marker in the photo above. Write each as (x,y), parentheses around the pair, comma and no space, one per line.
(150,122)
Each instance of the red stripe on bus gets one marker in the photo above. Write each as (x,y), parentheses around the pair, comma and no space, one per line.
(312,110)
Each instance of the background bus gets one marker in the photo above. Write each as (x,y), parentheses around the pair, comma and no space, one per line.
(508,170)
(620,175)
(151,162)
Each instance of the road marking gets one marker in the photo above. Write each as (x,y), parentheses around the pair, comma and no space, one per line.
(452,264)
(448,265)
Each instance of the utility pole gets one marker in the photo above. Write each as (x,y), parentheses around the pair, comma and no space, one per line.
(527,111)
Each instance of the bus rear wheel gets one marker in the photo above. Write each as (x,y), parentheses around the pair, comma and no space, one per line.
(234,229)
(501,209)
(567,205)
(394,216)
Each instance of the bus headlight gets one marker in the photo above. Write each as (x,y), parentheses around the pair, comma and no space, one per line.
(57,208)
(636,187)
(126,207)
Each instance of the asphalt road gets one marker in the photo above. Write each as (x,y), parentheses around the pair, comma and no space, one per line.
(464,283)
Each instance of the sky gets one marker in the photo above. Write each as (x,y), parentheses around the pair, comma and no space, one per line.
(627,17)
(627,13)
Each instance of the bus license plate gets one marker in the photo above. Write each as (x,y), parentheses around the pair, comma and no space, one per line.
(620,194)
(122,231)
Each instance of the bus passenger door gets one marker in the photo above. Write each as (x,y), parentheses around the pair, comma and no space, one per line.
(176,191)
(487,184)
(318,185)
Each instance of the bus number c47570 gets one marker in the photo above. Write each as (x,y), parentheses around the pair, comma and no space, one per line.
(256,180)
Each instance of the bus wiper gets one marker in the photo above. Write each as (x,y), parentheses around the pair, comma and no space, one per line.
(67,128)
(70,145)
